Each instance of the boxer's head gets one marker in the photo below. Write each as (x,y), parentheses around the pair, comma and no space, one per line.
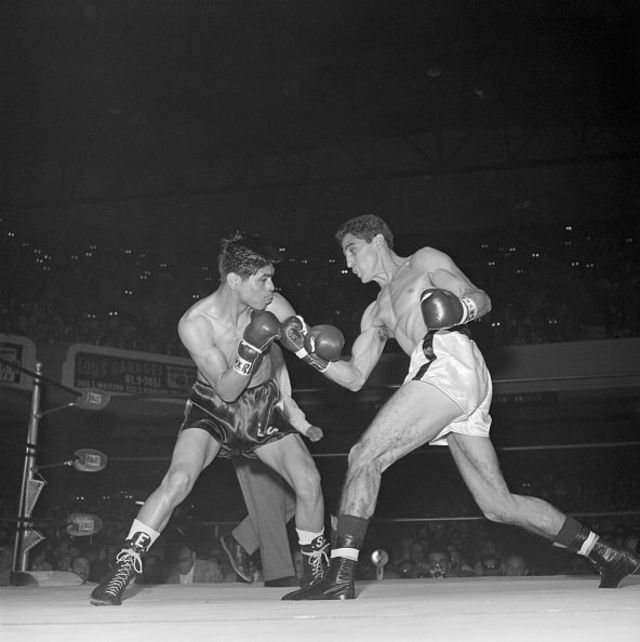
(244,254)
(365,227)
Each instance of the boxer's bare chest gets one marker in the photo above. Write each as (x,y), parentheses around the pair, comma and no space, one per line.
(398,306)
(226,337)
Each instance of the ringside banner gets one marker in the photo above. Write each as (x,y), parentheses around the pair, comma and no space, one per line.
(125,371)
(21,351)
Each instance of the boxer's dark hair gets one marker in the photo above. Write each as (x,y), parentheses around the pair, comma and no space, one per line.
(244,254)
(365,227)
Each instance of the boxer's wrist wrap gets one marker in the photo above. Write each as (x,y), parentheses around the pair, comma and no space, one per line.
(242,366)
(302,353)
(470,309)
(312,359)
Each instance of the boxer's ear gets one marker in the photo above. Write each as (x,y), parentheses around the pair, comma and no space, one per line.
(233,280)
(378,242)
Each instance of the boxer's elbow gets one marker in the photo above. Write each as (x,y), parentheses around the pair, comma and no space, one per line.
(354,386)
(488,304)
(229,394)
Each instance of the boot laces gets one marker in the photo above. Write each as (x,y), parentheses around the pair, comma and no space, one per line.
(128,562)
(318,561)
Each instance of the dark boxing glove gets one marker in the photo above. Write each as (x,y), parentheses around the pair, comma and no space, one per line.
(316,346)
(262,331)
(442,309)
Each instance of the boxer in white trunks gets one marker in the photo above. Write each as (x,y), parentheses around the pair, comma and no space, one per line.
(425,302)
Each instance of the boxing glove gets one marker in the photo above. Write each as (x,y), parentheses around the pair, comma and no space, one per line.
(442,309)
(324,340)
(316,346)
(262,331)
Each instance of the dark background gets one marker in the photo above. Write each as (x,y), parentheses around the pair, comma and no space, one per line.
(155,127)
(165,124)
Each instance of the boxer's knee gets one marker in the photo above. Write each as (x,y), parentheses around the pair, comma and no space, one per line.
(499,510)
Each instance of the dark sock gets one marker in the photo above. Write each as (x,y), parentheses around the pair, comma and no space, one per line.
(351,525)
(573,535)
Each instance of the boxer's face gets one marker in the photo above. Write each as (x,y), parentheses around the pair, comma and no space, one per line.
(360,256)
(257,290)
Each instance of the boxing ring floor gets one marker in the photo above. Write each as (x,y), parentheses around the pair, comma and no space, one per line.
(562,608)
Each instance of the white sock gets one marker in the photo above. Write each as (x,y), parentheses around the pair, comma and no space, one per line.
(139,527)
(588,544)
(306,537)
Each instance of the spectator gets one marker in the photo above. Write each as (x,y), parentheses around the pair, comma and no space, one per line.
(81,566)
(515,566)
(153,570)
(407,570)
(489,565)
(438,564)
(39,561)
(459,566)
(188,569)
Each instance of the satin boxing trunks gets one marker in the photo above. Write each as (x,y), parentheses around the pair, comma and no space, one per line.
(251,421)
(451,361)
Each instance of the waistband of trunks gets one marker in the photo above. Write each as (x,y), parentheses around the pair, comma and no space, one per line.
(462,329)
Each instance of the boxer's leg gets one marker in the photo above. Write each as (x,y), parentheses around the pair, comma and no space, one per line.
(291,459)
(414,415)
(194,450)
(476,460)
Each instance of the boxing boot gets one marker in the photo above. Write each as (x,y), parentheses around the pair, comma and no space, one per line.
(613,564)
(315,561)
(338,582)
(126,566)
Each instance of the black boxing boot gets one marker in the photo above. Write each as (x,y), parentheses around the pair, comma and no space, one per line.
(338,582)
(126,566)
(613,564)
(315,561)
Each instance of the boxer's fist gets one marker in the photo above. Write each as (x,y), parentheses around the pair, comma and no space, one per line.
(442,309)
(262,331)
(314,433)
(293,332)
(316,346)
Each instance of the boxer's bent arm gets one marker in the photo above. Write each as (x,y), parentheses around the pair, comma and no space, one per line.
(445,274)
(210,360)
(365,354)
(292,412)
(281,307)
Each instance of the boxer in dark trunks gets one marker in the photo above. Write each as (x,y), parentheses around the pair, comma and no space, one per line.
(241,403)
(425,302)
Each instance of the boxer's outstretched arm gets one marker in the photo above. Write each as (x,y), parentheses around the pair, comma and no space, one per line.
(365,354)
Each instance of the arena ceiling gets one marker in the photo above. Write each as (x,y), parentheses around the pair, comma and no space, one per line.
(178,81)
(103,91)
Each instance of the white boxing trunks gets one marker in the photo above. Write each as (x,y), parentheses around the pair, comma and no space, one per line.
(452,362)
